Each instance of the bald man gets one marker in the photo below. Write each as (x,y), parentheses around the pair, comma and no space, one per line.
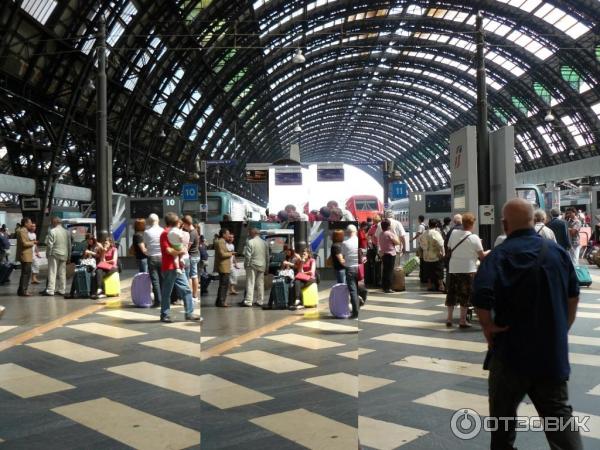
(529,286)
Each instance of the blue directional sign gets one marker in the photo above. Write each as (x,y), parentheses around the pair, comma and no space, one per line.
(398,191)
(189,192)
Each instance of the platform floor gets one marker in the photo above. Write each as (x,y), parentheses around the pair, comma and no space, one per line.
(77,375)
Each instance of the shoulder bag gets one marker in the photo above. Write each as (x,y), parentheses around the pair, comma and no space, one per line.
(450,250)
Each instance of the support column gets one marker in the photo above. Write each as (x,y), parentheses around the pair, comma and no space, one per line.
(483,151)
(103,153)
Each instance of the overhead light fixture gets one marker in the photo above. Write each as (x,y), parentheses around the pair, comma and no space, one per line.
(298,58)
(571,153)
(163,134)
(549,117)
(297,128)
(90,86)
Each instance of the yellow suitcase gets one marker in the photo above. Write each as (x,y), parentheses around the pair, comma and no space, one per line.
(310,296)
(112,285)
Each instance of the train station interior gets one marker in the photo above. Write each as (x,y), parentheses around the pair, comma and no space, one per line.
(238,224)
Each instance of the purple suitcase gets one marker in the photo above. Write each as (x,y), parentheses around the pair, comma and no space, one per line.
(339,299)
(141,289)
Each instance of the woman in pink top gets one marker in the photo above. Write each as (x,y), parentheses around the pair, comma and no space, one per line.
(106,266)
(307,270)
(387,246)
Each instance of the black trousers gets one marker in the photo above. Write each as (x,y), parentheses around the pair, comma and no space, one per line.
(25,277)
(99,278)
(387,272)
(550,398)
(223,287)
(298,286)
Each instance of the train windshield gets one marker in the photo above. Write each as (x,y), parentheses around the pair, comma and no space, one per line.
(214,206)
(366,205)
(529,194)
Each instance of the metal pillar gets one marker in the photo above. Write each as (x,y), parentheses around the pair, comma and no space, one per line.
(103,153)
(483,150)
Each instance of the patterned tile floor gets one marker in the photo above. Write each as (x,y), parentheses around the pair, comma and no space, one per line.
(253,379)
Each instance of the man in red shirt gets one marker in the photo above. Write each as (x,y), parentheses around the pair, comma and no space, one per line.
(171,277)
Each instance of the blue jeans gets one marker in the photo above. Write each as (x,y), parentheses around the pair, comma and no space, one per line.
(154,268)
(352,282)
(191,268)
(143,265)
(173,279)
(340,276)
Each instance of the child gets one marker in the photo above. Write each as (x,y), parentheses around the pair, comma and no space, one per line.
(176,239)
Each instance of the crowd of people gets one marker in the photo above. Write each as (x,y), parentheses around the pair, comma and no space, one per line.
(331,212)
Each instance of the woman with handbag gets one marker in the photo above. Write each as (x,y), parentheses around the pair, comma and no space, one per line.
(305,276)
(464,249)
(89,259)
(107,265)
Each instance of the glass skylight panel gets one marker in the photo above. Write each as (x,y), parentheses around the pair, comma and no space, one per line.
(596,108)
(119,25)
(40,10)
(505,63)
(525,5)
(495,27)
(576,128)
(551,138)
(415,10)
(561,20)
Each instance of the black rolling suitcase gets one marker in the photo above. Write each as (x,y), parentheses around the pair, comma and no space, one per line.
(6,269)
(280,293)
(82,282)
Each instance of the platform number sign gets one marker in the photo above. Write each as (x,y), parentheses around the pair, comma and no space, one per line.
(189,192)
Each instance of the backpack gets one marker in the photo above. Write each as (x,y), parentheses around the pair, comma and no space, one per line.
(4,242)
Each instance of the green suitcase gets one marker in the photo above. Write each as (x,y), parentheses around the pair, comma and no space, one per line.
(411,265)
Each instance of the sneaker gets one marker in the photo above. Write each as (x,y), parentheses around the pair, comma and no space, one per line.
(195,300)
(257,304)
(297,302)
(166,319)
(46,294)
(299,306)
(193,317)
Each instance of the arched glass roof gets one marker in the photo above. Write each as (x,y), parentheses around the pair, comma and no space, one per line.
(214,79)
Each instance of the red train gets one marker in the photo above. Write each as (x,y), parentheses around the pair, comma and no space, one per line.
(364,206)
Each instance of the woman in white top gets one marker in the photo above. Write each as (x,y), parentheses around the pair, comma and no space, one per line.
(464,249)
(540,225)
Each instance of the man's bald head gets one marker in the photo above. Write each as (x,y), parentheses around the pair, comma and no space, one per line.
(457,219)
(517,214)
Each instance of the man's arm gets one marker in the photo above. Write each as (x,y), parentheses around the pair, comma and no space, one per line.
(50,238)
(248,251)
(488,326)
(572,309)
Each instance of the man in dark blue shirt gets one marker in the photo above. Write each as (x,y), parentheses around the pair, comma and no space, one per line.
(526,295)
(559,227)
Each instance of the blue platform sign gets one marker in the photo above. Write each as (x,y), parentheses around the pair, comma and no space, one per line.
(189,193)
(398,191)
